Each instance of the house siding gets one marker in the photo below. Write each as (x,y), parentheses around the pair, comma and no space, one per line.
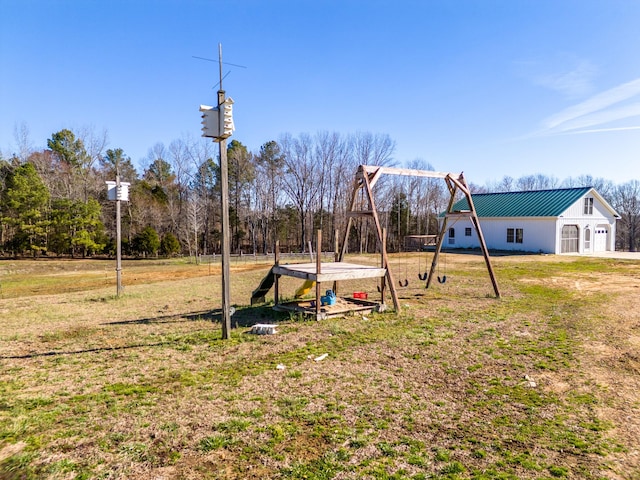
(542,234)
(538,234)
(601,218)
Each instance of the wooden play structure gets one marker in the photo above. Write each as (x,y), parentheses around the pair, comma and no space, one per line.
(363,206)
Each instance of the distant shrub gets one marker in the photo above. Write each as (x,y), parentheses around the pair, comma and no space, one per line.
(169,245)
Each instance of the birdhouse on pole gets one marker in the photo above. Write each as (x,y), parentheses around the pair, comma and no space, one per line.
(115,192)
(217,122)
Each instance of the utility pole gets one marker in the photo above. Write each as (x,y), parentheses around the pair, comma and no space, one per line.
(226,237)
(118,233)
(218,124)
(118,191)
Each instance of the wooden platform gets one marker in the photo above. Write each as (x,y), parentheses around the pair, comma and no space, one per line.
(330,272)
(342,307)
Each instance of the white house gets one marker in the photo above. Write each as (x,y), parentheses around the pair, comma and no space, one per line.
(567,220)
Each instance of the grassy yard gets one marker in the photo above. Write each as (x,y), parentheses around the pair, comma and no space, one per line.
(540,384)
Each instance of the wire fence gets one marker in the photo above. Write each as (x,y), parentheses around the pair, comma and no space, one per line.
(244,258)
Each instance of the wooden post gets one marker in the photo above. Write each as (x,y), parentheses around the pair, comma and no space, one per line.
(363,182)
(276,278)
(483,245)
(318,271)
(226,234)
(336,258)
(461,183)
(382,264)
(381,237)
(357,185)
(118,232)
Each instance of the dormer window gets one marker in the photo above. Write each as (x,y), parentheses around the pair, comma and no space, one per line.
(588,206)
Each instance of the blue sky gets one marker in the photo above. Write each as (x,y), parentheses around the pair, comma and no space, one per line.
(488,87)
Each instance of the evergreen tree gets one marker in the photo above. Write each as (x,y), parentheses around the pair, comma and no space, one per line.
(147,242)
(169,245)
(24,206)
(76,227)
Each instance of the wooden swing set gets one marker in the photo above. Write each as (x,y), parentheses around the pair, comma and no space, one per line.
(363,205)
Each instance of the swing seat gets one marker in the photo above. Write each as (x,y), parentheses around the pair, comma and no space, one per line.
(442,279)
(423,276)
(403,284)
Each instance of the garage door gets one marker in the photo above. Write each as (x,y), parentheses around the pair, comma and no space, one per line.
(600,238)
(570,237)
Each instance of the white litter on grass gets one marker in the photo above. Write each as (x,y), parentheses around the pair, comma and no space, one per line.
(530,382)
(280,367)
(263,329)
(321,357)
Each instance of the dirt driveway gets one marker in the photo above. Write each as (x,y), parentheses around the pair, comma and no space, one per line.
(619,255)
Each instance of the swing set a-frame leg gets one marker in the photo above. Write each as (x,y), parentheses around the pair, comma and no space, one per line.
(363,183)
(454,184)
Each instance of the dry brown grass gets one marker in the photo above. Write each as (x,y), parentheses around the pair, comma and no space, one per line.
(93,386)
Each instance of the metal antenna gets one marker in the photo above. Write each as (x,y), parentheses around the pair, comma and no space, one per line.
(220,62)
(225,76)
(224,63)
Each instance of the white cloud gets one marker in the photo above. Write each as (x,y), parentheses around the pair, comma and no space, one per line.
(597,102)
(598,130)
(600,118)
(577,82)
(600,109)
(563,72)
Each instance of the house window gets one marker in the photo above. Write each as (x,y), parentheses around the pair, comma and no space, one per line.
(588,206)
(452,236)
(515,235)
(519,235)
(570,238)
(467,231)
(587,239)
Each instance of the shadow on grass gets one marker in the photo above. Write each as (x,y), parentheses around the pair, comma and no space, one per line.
(211,316)
(242,318)
(55,353)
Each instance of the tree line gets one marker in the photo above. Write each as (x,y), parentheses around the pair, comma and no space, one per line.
(53,201)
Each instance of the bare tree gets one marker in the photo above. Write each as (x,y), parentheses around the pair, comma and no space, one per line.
(370,149)
(627,203)
(23,141)
(606,188)
(336,166)
(302,179)
(270,167)
(95,144)
(241,175)
(422,197)
(536,182)
(203,201)
(506,184)
(181,214)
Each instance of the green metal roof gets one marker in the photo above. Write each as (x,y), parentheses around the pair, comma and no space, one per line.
(536,203)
